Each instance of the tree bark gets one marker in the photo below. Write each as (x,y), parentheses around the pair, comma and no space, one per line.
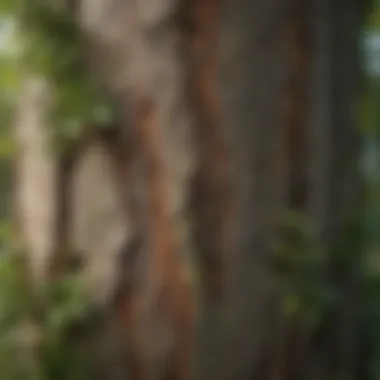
(230,114)
(35,178)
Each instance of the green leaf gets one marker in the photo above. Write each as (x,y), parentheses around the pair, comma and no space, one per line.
(291,304)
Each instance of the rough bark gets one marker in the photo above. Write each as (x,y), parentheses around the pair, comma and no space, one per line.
(164,123)
(219,137)
(213,193)
(335,180)
(291,332)
(346,189)
(253,77)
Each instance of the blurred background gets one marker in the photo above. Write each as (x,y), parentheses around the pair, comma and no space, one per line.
(190,189)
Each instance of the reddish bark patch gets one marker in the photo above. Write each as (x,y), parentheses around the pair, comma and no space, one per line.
(165,244)
(213,198)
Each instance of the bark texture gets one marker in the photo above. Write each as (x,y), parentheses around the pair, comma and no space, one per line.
(35,178)
(231,112)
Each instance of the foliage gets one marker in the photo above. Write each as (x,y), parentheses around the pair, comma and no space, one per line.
(36,339)
(64,305)
(42,40)
(299,261)
(51,46)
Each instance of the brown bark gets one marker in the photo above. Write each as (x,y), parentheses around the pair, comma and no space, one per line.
(217,157)
(212,191)
(335,181)
(254,74)
(292,338)
(163,125)
(346,191)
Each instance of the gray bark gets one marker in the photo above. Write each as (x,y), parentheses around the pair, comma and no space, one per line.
(35,179)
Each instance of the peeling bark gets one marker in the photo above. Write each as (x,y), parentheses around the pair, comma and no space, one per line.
(99,227)
(163,124)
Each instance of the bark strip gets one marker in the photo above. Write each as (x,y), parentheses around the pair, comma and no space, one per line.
(213,198)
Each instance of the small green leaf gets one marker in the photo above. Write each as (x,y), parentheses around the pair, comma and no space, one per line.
(291,305)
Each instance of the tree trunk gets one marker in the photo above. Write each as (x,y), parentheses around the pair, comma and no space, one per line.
(230,114)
